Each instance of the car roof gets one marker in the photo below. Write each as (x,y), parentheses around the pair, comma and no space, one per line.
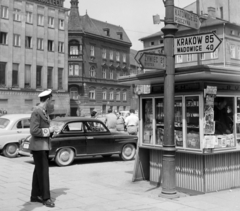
(15,116)
(70,119)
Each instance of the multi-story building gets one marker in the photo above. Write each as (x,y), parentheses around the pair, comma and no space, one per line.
(98,55)
(227,54)
(33,53)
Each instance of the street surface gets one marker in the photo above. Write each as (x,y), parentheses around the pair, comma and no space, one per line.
(97,184)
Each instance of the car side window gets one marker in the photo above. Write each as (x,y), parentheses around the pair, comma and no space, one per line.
(74,126)
(19,125)
(95,127)
(26,123)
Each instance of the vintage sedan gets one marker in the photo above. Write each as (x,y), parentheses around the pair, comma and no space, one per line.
(12,128)
(80,136)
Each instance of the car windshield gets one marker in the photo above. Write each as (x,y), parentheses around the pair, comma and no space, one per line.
(57,126)
(4,122)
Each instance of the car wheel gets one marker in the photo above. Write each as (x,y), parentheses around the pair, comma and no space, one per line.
(128,152)
(11,150)
(106,156)
(64,157)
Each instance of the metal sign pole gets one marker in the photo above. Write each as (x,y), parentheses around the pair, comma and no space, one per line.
(168,163)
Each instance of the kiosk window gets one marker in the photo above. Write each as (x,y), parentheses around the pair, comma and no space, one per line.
(147,116)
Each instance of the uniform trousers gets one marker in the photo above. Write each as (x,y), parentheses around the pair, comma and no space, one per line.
(40,180)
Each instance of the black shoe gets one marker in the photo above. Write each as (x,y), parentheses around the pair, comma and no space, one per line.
(48,203)
(36,199)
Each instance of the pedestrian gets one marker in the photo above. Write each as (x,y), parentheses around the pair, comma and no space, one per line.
(40,145)
(111,120)
(120,123)
(131,123)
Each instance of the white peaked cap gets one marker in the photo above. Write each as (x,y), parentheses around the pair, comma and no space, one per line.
(45,93)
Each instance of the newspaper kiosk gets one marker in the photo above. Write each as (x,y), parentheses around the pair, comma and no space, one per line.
(207,127)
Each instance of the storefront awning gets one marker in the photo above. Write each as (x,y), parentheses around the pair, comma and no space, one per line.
(184,74)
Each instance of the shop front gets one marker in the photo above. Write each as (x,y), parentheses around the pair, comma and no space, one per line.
(206,125)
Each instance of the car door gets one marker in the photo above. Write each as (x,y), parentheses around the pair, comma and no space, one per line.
(22,126)
(73,136)
(99,139)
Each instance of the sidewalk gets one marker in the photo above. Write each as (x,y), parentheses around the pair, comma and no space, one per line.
(100,186)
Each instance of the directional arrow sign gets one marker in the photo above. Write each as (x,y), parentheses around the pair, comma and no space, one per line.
(153,61)
(185,18)
(199,43)
(157,50)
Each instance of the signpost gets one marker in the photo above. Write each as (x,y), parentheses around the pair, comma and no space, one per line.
(199,43)
(185,18)
(156,50)
(153,61)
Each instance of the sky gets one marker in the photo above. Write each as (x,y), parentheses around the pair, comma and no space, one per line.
(135,16)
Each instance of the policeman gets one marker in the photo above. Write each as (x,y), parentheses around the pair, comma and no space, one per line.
(40,145)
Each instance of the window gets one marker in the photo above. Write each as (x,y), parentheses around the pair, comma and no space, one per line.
(232,32)
(124,96)
(61,47)
(111,55)
(107,32)
(202,56)
(92,72)
(118,96)
(111,95)
(238,50)
(124,57)
(221,12)
(104,73)
(232,51)
(60,78)
(111,74)
(61,24)
(15,74)
(74,69)
(2,74)
(4,12)
(17,15)
(179,58)
(117,56)
(50,45)
(40,20)
(51,22)
(214,55)
(104,95)
(74,93)
(49,77)
(104,53)
(74,126)
(189,57)
(92,50)
(16,40)
(39,76)
(28,42)
(74,50)
(39,43)
(3,38)
(29,17)
(92,94)
(27,76)
(151,43)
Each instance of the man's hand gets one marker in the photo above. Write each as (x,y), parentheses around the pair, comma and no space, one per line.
(52,129)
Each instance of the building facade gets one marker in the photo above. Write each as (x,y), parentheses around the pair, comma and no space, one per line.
(33,54)
(99,53)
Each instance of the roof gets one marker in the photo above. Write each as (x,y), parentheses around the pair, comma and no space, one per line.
(68,119)
(15,116)
(132,57)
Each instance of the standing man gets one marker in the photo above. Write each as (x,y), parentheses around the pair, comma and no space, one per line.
(40,145)
(131,123)
(111,120)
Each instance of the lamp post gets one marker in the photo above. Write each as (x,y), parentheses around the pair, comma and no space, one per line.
(168,163)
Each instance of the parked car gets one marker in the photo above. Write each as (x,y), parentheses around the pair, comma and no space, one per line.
(12,128)
(80,136)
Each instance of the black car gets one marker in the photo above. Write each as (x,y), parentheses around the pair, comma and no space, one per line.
(79,137)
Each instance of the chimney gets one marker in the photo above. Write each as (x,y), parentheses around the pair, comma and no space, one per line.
(74,3)
(212,12)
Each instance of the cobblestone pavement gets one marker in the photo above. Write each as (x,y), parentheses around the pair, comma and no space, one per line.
(97,184)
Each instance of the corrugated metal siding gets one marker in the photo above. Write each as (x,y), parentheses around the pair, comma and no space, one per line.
(204,173)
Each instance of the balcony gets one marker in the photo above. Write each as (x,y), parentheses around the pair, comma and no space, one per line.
(75,57)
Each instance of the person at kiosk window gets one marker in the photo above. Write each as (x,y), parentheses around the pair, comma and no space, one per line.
(221,117)
(40,145)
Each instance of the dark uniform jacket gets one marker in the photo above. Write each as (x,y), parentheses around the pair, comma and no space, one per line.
(39,129)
